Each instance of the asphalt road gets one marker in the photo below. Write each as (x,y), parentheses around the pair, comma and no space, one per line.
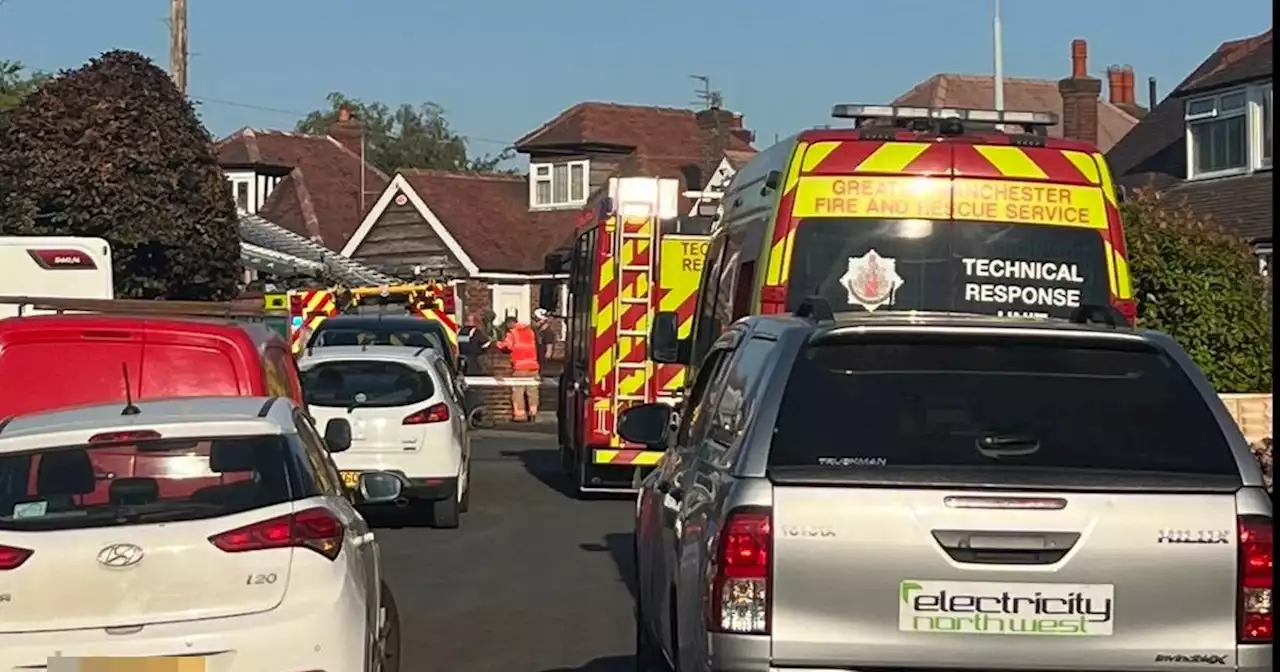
(532,581)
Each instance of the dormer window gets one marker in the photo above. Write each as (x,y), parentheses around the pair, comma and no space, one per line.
(558,185)
(1229,132)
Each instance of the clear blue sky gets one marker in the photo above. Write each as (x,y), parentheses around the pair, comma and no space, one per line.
(501,67)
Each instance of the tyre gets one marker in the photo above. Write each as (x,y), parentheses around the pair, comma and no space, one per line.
(444,513)
(648,657)
(389,637)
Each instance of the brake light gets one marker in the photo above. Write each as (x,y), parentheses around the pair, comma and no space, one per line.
(316,529)
(434,413)
(740,586)
(773,300)
(132,436)
(12,557)
(1256,555)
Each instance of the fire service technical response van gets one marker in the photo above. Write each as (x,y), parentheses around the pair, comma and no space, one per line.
(915,209)
(634,255)
(63,267)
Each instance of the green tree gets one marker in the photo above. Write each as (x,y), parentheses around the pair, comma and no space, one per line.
(1201,285)
(114,150)
(405,137)
(16,83)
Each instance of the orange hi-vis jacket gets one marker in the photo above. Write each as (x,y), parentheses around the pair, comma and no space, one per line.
(522,343)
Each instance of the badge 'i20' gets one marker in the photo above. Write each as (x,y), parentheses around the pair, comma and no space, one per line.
(872,280)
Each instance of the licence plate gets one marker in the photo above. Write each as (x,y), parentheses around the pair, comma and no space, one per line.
(351,478)
(126,664)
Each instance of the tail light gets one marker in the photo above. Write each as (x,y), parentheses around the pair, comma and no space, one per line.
(773,299)
(12,557)
(1256,554)
(740,587)
(434,413)
(131,436)
(316,529)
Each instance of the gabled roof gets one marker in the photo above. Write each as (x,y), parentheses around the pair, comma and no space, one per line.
(1156,150)
(1026,95)
(1154,154)
(320,197)
(659,131)
(264,241)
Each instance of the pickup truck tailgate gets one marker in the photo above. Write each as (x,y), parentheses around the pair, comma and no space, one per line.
(883,577)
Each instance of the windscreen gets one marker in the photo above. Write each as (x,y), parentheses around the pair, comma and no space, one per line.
(74,487)
(415,338)
(365,384)
(948,266)
(995,403)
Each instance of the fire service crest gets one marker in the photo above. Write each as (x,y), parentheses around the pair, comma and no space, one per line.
(871,281)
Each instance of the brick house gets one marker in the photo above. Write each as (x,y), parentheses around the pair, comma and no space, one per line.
(316,186)
(1075,99)
(493,231)
(1209,142)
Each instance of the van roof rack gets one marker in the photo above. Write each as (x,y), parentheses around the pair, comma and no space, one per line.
(947,119)
(815,308)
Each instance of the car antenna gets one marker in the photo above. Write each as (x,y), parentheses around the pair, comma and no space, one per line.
(129,407)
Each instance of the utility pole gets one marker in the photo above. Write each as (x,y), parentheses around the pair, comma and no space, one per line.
(178,43)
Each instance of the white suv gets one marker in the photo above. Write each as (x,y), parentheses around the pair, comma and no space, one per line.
(213,528)
(407,416)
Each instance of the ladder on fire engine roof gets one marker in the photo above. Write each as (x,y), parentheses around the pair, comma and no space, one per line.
(640,277)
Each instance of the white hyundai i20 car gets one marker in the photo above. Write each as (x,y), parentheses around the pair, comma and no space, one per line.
(407,416)
(208,528)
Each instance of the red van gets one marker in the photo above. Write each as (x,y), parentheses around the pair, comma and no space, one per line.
(59,361)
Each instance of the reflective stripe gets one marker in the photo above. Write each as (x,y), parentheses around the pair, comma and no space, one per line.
(635,458)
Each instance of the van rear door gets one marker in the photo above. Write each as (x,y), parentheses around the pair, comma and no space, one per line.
(64,362)
(194,359)
(986,501)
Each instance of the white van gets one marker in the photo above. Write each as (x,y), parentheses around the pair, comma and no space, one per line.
(61,267)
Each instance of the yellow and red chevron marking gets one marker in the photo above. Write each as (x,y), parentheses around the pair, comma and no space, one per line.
(316,305)
(683,301)
(603,306)
(1009,162)
(637,458)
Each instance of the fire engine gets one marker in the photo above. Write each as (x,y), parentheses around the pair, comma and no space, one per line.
(309,307)
(634,255)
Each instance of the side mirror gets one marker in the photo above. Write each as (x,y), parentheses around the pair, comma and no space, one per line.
(377,487)
(664,338)
(337,435)
(549,296)
(647,424)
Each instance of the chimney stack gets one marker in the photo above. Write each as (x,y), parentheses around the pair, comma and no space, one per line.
(1130,97)
(1151,93)
(1080,97)
(347,130)
(1115,84)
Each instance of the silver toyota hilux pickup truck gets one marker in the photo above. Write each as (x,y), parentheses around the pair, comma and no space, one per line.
(894,494)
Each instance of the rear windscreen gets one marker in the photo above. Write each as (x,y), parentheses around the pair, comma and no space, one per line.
(148,482)
(416,338)
(365,384)
(949,266)
(984,403)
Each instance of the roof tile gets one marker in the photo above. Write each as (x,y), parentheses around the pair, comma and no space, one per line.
(488,214)
(660,131)
(320,198)
(1027,95)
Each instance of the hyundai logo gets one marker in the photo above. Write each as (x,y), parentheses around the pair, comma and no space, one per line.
(120,555)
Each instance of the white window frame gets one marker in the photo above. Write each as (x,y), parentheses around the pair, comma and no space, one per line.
(1253,113)
(544,173)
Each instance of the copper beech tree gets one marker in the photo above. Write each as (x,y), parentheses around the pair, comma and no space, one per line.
(114,150)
